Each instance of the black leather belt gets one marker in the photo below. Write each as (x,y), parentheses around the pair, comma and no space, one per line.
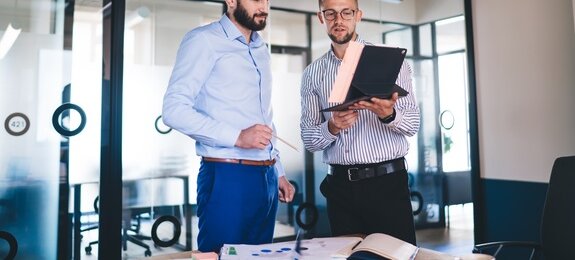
(366,171)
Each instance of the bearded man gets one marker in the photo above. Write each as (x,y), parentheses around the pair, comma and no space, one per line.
(219,94)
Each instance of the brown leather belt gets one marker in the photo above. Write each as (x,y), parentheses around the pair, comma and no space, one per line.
(240,161)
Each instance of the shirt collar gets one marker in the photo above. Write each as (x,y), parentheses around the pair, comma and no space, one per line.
(357,39)
(233,33)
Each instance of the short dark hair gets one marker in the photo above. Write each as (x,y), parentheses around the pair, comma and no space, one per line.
(321,1)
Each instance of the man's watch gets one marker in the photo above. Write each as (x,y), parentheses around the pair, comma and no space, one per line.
(388,119)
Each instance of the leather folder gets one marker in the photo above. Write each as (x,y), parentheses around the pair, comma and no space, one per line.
(366,71)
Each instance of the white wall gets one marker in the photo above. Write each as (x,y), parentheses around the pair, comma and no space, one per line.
(427,10)
(525,69)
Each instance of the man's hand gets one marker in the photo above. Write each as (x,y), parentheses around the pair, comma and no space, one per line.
(381,107)
(341,120)
(256,136)
(286,190)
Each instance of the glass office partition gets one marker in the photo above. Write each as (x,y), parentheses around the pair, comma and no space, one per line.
(450,34)
(453,112)
(453,117)
(452,75)
(289,42)
(423,157)
(287,29)
(85,91)
(35,79)
(374,32)
(160,166)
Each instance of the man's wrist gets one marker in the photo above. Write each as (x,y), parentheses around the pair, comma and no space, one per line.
(388,119)
(332,128)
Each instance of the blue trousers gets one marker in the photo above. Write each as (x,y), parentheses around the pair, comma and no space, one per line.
(237,204)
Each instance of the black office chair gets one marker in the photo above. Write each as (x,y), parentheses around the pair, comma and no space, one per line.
(91,227)
(557,222)
(131,223)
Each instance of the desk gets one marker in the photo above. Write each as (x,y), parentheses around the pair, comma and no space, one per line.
(187,207)
(423,254)
(179,255)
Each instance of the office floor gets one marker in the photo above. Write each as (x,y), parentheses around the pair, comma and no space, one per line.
(457,239)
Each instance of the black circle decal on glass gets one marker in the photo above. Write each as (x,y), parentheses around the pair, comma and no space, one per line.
(177,231)
(97,204)
(158,127)
(446,119)
(58,125)
(416,196)
(12,243)
(314,215)
(17,124)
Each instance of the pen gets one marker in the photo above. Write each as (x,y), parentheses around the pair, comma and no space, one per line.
(412,257)
(297,248)
(286,142)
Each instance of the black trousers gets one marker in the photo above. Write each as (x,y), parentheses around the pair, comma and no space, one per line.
(376,205)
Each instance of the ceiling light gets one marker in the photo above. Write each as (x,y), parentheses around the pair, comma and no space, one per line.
(137,16)
(393,1)
(8,40)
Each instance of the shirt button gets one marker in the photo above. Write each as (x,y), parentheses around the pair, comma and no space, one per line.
(345,131)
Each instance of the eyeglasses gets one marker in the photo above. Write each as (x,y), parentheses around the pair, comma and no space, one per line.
(346,14)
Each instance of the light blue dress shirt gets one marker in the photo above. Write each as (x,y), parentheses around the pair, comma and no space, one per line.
(220,85)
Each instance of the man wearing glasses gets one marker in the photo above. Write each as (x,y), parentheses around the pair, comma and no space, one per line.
(366,186)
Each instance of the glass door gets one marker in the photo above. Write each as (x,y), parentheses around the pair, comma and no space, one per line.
(160,166)
(423,159)
(85,96)
(288,40)
(286,72)
(50,140)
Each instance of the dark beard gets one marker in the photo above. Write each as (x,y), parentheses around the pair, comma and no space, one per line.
(242,17)
(345,39)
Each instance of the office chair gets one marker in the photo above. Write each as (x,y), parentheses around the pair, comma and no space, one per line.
(91,227)
(131,222)
(558,219)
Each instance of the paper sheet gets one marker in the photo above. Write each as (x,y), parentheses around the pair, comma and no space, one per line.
(312,249)
(345,72)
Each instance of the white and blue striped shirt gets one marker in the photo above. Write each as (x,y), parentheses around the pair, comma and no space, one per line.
(368,140)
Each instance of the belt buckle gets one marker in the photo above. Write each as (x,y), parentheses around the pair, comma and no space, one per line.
(350,173)
(385,169)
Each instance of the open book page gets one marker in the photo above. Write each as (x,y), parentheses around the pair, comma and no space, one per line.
(345,72)
(345,250)
(387,246)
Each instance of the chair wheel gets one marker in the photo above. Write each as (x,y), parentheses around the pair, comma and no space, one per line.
(88,250)
(148,253)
